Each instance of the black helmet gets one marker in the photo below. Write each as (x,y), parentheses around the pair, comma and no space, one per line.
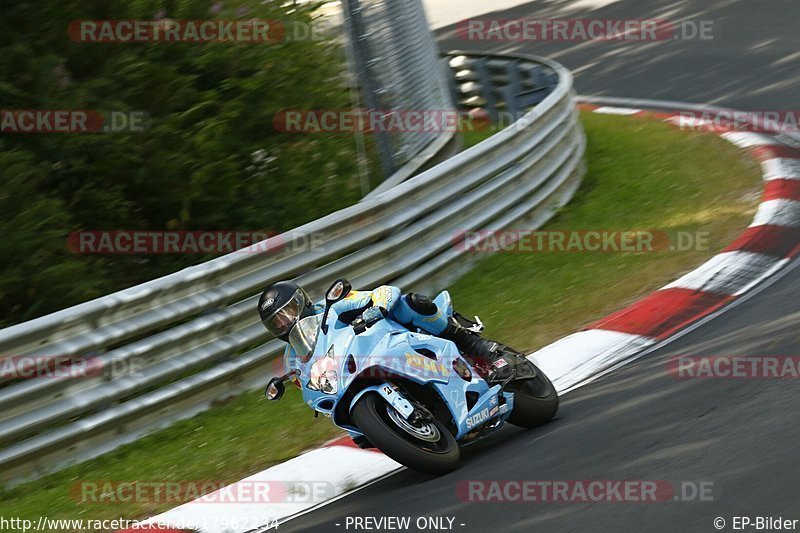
(282,305)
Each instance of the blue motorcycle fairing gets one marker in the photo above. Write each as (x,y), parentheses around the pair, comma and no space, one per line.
(391,394)
(340,357)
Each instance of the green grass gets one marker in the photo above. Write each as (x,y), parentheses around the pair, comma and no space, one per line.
(471,138)
(642,175)
(225,444)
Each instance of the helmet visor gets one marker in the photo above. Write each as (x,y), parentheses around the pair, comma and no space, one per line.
(283,320)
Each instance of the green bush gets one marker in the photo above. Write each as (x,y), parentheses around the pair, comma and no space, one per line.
(210,159)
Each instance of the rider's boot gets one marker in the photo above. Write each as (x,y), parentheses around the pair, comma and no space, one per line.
(484,354)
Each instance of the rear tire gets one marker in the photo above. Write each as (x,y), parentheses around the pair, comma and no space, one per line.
(436,453)
(535,401)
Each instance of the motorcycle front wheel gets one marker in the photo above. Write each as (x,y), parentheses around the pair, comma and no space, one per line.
(427,446)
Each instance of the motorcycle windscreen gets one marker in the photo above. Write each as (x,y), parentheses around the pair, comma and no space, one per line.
(303,337)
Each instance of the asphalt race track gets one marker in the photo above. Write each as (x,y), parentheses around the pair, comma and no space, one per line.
(638,423)
(641,423)
(752,62)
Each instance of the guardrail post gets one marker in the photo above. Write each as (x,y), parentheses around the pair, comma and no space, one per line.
(513,90)
(539,77)
(451,81)
(487,90)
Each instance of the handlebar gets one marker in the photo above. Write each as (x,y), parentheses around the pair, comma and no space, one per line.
(360,325)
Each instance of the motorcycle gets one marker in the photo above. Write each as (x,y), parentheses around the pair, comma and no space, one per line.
(409,394)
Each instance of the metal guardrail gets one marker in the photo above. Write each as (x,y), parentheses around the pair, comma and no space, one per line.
(195,335)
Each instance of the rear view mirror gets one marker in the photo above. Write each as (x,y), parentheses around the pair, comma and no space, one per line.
(338,291)
(275,389)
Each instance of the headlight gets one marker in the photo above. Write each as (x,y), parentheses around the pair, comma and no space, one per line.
(329,382)
(324,377)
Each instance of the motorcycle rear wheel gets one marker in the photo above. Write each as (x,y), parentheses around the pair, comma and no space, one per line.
(535,401)
(427,447)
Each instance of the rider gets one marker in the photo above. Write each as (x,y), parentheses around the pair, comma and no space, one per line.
(284,303)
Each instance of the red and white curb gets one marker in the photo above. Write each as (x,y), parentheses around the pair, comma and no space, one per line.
(762,249)
(765,247)
(339,465)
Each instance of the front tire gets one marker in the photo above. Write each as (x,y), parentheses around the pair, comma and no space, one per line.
(535,401)
(428,447)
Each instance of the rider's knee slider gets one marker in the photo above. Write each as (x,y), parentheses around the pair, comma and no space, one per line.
(421,304)
(420,312)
